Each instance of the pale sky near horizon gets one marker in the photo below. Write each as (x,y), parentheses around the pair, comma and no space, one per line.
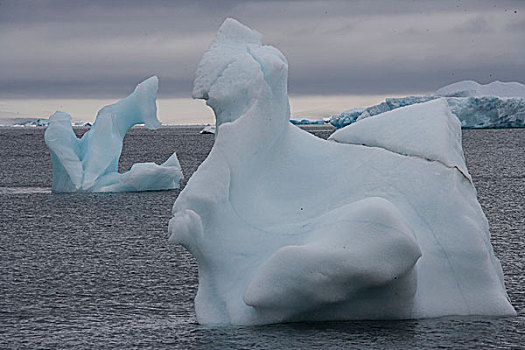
(342,54)
(174,110)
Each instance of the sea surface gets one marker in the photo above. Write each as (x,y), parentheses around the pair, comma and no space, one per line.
(95,271)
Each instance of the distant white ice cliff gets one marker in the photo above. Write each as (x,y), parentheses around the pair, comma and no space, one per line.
(494,105)
(381,222)
(90,164)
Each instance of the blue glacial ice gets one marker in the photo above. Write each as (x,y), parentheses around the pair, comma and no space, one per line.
(494,105)
(90,164)
(306,121)
(381,222)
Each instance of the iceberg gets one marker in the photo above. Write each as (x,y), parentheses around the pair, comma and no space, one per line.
(208,129)
(470,88)
(306,121)
(45,123)
(381,222)
(34,122)
(488,111)
(90,164)
(346,118)
(494,105)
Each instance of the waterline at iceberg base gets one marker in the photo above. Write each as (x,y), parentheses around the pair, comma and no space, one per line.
(90,164)
(394,232)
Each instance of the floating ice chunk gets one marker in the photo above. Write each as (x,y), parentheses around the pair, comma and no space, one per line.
(81,123)
(289,227)
(91,163)
(208,129)
(34,122)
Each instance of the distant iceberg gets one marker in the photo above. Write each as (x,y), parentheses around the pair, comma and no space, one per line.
(494,105)
(41,122)
(38,122)
(488,112)
(470,88)
(90,164)
(208,129)
(306,121)
(380,222)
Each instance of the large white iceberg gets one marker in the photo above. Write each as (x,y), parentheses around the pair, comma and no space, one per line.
(90,164)
(382,224)
(494,105)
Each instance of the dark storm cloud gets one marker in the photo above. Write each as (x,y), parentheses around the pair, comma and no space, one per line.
(103,48)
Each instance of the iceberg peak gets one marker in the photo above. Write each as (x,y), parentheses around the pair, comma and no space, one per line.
(234,32)
(237,64)
(60,117)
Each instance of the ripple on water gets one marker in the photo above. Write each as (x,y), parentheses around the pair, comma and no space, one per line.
(23,190)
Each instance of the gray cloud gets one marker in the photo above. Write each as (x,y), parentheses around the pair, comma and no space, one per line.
(101,48)
(518,26)
(478,25)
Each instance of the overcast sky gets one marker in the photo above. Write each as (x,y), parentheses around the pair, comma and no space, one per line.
(101,49)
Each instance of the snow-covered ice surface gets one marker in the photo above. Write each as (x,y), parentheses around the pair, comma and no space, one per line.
(90,164)
(470,88)
(400,131)
(494,105)
(289,227)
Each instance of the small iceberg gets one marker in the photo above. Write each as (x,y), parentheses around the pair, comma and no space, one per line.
(45,123)
(90,164)
(33,123)
(208,129)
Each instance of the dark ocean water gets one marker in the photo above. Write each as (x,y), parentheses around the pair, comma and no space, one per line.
(95,271)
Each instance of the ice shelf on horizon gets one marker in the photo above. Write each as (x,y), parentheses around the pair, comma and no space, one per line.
(90,164)
(210,129)
(382,223)
(306,121)
(477,106)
